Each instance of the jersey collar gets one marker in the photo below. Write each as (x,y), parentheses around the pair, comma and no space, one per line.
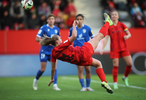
(82,25)
(49,26)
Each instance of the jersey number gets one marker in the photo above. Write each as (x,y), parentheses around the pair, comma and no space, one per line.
(42,56)
(66,57)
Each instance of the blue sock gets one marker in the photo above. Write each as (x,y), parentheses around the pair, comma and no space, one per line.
(55,77)
(82,82)
(39,74)
(88,80)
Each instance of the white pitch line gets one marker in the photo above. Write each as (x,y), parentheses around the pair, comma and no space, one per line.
(94,81)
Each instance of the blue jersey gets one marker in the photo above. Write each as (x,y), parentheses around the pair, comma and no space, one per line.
(46,30)
(83,35)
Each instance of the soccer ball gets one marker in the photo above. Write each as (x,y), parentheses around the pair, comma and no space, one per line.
(27,4)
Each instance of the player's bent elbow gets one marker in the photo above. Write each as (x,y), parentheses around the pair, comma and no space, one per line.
(37,39)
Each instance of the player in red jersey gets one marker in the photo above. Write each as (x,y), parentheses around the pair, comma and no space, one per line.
(118,47)
(77,55)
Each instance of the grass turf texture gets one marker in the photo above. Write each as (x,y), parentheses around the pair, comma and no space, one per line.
(20,88)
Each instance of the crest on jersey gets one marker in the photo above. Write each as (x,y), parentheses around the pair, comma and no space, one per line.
(48,30)
(84,30)
(56,31)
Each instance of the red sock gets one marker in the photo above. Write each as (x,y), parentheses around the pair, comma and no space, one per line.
(101,74)
(104,28)
(115,73)
(127,70)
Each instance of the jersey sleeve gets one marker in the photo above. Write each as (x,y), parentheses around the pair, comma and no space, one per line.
(70,32)
(40,32)
(52,58)
(108,32)
(124,27)
(58,32)
(91,33)
(64,45)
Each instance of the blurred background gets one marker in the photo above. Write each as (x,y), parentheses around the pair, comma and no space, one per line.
(19,52)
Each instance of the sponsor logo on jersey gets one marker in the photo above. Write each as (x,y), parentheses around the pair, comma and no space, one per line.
(80,37)
(48,30)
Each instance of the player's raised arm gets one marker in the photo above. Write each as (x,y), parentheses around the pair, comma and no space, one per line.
(74,31)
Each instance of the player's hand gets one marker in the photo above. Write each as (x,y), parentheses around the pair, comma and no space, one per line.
(75,22)
(126,37)
(51,81)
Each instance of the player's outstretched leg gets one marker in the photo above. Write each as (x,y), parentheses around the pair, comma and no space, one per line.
(107,87)
(99,71)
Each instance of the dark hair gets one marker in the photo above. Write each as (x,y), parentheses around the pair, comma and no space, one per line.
(50,15)
(80,15)
(47,40)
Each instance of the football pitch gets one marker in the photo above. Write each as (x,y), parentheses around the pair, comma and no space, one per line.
(20,88)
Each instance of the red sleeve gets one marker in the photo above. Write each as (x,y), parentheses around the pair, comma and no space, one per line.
(52,58)
(108,32)
(124,27)
(64,45)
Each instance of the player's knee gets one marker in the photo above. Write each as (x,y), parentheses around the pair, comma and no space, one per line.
(43,69)
(88,71)
(99,65)
(115,63)
(130,64)
(80,70)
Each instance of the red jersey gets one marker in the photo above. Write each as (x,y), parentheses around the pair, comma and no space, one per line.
(117,33)
(75,55)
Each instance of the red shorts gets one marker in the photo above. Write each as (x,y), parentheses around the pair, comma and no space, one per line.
(119,54)
(88,51)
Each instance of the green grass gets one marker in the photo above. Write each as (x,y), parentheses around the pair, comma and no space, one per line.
(20,88)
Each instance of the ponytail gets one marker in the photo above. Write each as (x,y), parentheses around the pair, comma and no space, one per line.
(47,40)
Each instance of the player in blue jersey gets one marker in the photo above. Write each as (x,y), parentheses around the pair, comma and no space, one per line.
(84,33)
(45,53)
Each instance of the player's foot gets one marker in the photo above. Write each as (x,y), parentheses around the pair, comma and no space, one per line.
(107,19)
(107,87)
(89,89)
(126,81)
(35,84)
(83,89)
(56,88)
(115,86)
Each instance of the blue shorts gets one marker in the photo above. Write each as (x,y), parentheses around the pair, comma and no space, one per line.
(44,57)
